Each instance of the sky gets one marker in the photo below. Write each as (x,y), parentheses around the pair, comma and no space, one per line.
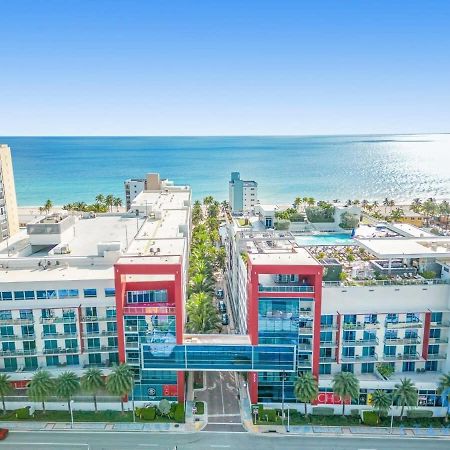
(253,67)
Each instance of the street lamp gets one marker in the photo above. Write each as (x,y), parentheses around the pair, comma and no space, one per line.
(392,414)
(283,375)
(71,402)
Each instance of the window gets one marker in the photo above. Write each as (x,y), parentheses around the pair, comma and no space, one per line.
(6,331)
(389,350)
(6,296)
(324,369)
(50,344)
(410,350)
(95,358)
(49,330)
(147,296)
(412,317)
(348,352)
(93,343)
(29,295)
(63,293)
(367,367)
(110,292)
(326,336)
(91,311)
(5,314)
(433,349)
(114,358)
(347,368)
(431,366)
(52,361)
(370,318)
(411,334)
(72,360)
(111,313)
(19,295)
(26,314)
(435,333)
(10,364)
(31,362)
(68,314)
(29,346)
(409,366)
(47,313)
(43,295)
(326,320)
(436,317)
(70,328)
(28,330)
(349,336)
(112,342)
(111,326)
(350,318)
(71,344)
(92,327)
(8,346)
(89,293)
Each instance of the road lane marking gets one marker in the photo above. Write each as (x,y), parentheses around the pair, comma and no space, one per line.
(49,443)
(220,446)
(221,392)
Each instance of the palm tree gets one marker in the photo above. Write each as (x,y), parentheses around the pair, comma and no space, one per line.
(92,381)
(416,206)
(100,199)
(444,389)
(120,382)
(375,205)
(381,401)
(40,387)
(208,200)
(201,283)
(66,386)
(429,208)
(306,388)
(386,203)
(311,201)
(365,204)
(109,201)
(117,202)
(297,202)
(356,202)
(202,313)
(405,394)
(346,385)
(444,210)
(396,214)
(5,388)
(48,205)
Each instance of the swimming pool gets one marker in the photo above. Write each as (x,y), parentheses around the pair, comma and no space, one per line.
(324,239)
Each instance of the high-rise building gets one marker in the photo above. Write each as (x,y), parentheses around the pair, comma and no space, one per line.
(243,195)
(9,219)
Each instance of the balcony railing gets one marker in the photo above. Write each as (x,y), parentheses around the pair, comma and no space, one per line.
(372,341)
(304,347)
(60,351)
(7,353)
(417,324)
(402,341)
(149,310)
(360,358)
(61,335)
(441,324)
(97,319)
(59,319)
(262,288)
(99,333)
(101,349)
(438,340)
(327,359)
(394,282)
(16,337)
(325,327)
(402,357)
(305,330)
(361,326)
(328,343)
(304,363)
(435,356)
(17,321)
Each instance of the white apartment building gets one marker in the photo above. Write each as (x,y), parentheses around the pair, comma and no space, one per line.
(243,195)
(9,219)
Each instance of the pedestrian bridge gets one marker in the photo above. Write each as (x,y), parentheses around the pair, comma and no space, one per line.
(217,352)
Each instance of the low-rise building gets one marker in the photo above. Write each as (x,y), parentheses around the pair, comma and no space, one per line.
(243,194)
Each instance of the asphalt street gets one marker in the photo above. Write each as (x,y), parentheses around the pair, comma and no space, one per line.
(206,441)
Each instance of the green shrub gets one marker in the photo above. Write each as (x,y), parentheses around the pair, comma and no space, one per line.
(164,407)
(385,369)
(200,407)
(418,413)
(282,224)
(370,418)
(173,407)
(23,413)
(270,415)
(138,411)
(148,413)
(179,413)
(322,411)
(260,410)
(428,274)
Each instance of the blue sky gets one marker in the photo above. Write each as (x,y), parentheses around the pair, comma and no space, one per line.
(187,67)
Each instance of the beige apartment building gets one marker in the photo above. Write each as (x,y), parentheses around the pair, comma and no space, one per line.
(9,219)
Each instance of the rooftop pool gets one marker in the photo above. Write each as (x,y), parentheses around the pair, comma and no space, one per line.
(324,239)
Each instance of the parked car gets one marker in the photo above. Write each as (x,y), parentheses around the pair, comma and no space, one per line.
(225,320)
(219,293)
(3,433)
(222,306)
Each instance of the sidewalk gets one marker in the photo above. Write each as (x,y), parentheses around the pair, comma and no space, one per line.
(94,426)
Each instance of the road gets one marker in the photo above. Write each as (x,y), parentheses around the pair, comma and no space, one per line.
(206,441)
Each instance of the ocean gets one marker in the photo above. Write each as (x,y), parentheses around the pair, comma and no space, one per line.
(68,169)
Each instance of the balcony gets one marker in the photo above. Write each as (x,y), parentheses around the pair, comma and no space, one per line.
(14,337)
(101,349)
(441,324)
(85,319)
(402,341)
(417,324)
(328,327)
(99,333)
(303,364)
(402,357)
(148,310)
(372,341)
(436,356)
(361,326)
(327,359)
(277,288)
(328,344)
(438,340)
(49,320)
(7,353)
(360,358)
(61,335)
(305,330)
(29,321)
(304,347)
(60,351)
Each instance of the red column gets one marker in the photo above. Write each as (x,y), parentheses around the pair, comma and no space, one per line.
(316,324)
(180,386)
(426,335)
(253,387)
(179,305)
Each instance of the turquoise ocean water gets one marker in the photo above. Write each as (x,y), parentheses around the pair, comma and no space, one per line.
(67,169)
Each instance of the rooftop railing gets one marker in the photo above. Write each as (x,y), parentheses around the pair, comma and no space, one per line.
(262,288)
(400,282)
